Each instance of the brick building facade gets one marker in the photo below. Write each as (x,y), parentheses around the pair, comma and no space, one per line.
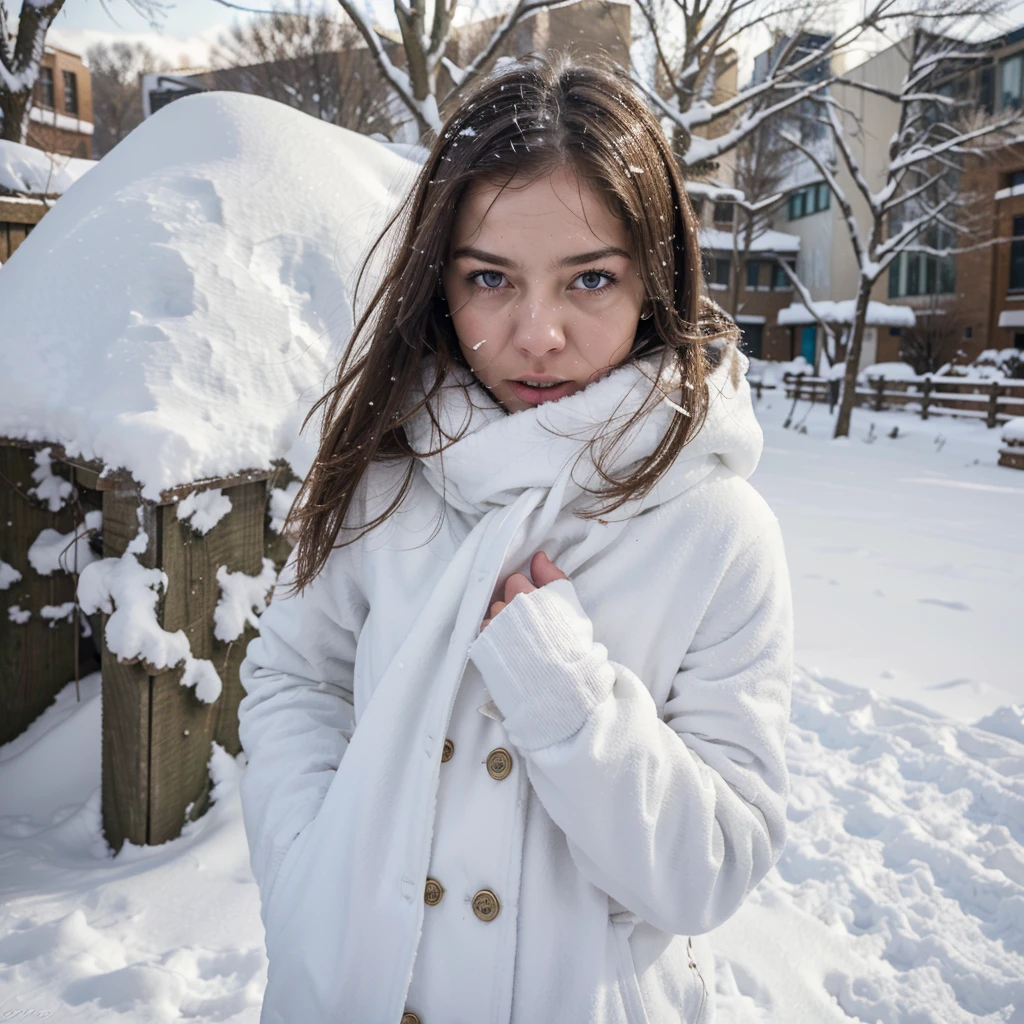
(61,119)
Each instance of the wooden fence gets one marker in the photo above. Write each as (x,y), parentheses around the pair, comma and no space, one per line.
(994,401)
(156,734)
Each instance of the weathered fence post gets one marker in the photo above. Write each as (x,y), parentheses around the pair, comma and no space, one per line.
(878,383)
(994,390)
(926,394)
(157,734)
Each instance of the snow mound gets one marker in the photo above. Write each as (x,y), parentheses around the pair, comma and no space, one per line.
(29,170)
(1005,721)
(198,289)
(1013,430)
(880,314)
(889,371)
(900,894)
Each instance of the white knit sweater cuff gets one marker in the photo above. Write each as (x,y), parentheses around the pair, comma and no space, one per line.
(542,666)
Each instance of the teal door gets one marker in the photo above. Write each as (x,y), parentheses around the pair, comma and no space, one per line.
(807,342)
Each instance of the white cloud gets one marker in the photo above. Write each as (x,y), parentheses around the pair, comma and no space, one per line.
(178,51)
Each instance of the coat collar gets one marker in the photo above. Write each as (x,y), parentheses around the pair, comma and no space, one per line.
(501,455)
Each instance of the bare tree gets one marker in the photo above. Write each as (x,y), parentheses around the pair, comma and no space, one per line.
(919,200)
(313,59)
(116,69)
(426,34)
(693,45)
(21,54)
(762,165)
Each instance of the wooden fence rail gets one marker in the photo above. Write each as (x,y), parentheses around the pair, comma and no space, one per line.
(994,401)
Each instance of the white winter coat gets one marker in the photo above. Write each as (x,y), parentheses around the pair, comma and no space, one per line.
(643,705)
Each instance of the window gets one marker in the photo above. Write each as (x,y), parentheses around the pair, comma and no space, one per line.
(968,333)
(753,273)
(1010,81)
(1017,178)
(914,273)
(44,88)
(1017,255)
(70,93)
(780,279)
(812,199)
(1018,340)
(723,212)
(895,332)
(722,272)
(698,205)
(986,88)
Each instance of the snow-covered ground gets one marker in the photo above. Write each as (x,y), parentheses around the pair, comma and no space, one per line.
(900,897)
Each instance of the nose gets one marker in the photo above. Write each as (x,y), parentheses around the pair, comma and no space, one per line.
(538,329)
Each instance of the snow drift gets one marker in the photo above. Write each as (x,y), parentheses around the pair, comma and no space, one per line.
(198,290)
(30,170)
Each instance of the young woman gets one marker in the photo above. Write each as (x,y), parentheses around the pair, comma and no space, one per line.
(515,721)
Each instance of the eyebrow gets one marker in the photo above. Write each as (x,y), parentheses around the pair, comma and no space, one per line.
(569,261)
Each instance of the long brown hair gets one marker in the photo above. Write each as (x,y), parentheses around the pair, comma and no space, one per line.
(524,119)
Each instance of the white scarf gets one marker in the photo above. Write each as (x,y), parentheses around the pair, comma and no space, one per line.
(358,907)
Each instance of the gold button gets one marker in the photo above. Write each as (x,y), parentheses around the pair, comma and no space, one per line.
(432,892)
(410,1018)
(449,749)
(486,905)
(499,763)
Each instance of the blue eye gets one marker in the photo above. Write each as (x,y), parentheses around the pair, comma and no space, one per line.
(480,275)
(595,278)
(592,280)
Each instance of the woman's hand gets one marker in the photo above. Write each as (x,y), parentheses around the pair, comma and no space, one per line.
(542,569)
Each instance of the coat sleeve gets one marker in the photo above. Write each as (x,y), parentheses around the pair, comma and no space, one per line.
(296,717)
(676,816)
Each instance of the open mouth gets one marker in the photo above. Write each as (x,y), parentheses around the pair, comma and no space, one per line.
(534,391)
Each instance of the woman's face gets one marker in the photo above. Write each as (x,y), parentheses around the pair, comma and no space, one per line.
(542,287)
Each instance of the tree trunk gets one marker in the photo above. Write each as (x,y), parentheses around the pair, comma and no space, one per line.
(852,359)
(14,108)
(24,58)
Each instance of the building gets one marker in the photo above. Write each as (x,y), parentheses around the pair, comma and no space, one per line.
(61,118)
(962,303)
(746,281)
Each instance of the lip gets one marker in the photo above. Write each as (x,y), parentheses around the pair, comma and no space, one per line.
(535,396)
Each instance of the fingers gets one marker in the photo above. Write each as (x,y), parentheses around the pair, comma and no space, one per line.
(544,571)
(517,583)
(494,609)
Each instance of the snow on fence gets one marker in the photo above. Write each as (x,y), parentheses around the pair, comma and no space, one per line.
(149,423)
(168,599)
(1012,452)
(995,401)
